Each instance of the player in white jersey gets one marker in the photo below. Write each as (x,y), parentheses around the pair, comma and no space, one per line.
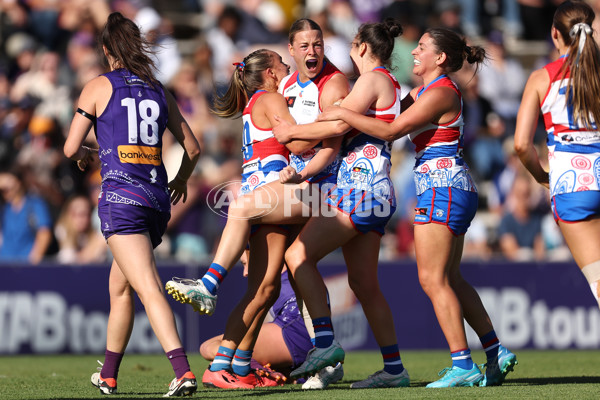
(567,93)
(306,46)
(358,210)
(447,201)
(253,90)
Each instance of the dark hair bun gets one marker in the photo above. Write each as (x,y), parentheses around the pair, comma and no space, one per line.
(393,27)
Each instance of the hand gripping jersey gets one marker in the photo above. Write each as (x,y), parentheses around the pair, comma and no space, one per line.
(303,100)
(439,150)
(573,150)
(263,155)
(129,134)
(366,160)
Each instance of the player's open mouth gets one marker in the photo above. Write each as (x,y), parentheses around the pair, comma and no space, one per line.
(311,65)
(417,62)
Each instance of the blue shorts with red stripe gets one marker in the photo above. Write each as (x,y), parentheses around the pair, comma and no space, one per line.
(448,206)
(576,206)
(367,212)
(126,219)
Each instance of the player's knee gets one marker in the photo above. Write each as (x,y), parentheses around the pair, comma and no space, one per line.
(362,288)
(205,351)
(294,258)
(238,209)
(430,283)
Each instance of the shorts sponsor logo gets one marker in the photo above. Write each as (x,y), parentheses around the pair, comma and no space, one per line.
(139,155)
(421,211)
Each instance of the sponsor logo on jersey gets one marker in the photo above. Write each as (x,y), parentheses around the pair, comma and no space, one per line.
(139,155)
(290,101)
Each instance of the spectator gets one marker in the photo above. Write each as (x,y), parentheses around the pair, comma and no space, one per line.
(164,47)
(520,230)
(501,80)
(221,40)
(252,30)
(26,222)
(536,17)
(21,49)
(337,47)
(79,242)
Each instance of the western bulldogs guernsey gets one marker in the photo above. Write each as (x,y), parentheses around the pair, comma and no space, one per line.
(439,148)
(304,104)
(366,160)
(129,134)
(573,150)
(263,155)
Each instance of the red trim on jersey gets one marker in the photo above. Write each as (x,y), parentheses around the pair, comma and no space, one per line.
(248,110)
(396,86)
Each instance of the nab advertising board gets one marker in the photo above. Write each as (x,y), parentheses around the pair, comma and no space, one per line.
(63,309)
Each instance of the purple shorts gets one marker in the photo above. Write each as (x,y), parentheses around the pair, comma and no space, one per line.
(124,219)
(294,332)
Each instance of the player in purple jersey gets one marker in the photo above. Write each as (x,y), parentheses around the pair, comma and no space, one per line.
(567,92)
(130,110)
(447,201)
(283,341)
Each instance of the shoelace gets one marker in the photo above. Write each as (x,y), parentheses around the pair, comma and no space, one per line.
(443,372)
(101,365)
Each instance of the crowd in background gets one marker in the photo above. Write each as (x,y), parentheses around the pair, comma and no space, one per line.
(48,51)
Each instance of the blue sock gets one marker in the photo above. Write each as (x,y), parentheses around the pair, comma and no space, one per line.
(222,359)
(241,362)
(213,277)
(392,364)
(490,344)
(462,359)
(323,332)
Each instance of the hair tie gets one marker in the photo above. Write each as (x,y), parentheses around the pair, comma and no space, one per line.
(582,29)
(240,65)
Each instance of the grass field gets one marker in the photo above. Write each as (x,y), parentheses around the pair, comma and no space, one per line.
(539,375)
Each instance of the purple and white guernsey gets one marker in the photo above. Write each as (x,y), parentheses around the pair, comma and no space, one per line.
(129,134)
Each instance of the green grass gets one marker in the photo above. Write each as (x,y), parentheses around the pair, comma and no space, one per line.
(539,375)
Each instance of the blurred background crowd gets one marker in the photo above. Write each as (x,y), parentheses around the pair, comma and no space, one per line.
(48,52)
